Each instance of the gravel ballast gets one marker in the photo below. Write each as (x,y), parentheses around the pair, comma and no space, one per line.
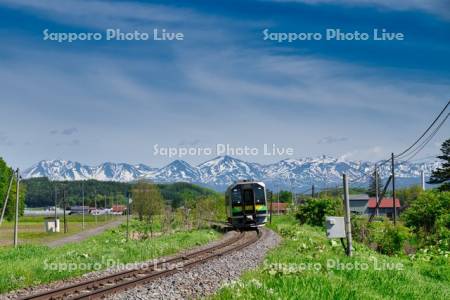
(194,282)
(203,280)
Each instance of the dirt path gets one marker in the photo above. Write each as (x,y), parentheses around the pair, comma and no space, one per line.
(85,234)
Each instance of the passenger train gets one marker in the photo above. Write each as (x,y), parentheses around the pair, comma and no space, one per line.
(246,204)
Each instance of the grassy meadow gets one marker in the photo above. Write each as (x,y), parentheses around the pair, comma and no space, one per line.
(308,266)
(36,264)
(32,229)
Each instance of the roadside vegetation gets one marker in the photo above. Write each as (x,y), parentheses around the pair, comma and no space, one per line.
(309,266)
(408,260)
(33,265)
(155,229)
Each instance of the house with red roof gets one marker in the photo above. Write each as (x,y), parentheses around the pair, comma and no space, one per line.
(118,209)
(279,208)
(385,207)
(362,204)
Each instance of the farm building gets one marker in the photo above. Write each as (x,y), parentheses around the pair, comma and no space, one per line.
(362,204)
(279,208)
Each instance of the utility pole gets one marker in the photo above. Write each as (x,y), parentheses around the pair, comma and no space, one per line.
(292,190)
(16,220)
(271,201)
(393,189)
(64,204)
(278,201)
(348,228)
(56,214)
(106,215)
(326,174)
(377,184)
(128,215)
(95,205)
(82,199)
(422,178)
(6,198)
(313,191)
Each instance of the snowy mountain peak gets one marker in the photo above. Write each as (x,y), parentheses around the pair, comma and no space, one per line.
(178,170)
(223,170)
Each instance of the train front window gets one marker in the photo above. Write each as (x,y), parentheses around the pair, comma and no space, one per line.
(248,197)
(236,197)
(259,195)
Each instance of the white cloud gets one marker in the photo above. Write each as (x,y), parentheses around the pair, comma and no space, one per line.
(207,93)
(211,98)
(373,153)
(437,7)
(5,140)
(332,140)
(66,131)
(104,14)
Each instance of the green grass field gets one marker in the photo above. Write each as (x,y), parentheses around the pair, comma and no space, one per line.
(32,231)
(302,268)
(33,264)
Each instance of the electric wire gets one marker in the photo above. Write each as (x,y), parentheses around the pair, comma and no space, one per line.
(423,134)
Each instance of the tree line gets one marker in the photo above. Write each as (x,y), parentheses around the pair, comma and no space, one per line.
(5,176)
(41,192)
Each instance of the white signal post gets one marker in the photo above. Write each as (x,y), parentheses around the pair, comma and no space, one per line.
(422,177)
(16,219)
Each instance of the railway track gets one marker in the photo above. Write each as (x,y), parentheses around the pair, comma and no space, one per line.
(124,280)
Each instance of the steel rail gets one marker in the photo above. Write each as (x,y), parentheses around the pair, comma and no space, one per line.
(123,280)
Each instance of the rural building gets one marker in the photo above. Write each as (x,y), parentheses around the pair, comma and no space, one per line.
(362,204)
(118,209)
(279,208)
(79,210)
(385,208)
(359,204)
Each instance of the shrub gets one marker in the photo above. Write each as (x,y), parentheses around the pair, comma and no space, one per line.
(387,238)
(314,210)
(360,229)
(380,235)
(429,218)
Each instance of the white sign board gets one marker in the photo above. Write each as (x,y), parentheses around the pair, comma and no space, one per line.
(335,227)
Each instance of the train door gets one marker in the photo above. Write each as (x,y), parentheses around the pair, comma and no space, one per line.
(248,201)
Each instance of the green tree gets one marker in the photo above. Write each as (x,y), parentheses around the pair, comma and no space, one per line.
(424,213)
(147,202)
(314,210)
(408,195)
(5,176)
(285,196)
(442,175)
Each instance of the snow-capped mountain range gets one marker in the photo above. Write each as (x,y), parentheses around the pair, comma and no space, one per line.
(223,170)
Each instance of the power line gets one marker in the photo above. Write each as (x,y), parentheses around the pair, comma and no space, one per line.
(405,152)
(305,191)
(423,134)
(415,151)
(427,140)
(423,158)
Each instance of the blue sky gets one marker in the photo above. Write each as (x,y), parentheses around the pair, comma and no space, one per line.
(96,101)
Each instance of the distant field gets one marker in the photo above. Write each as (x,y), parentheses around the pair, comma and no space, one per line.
(32,229)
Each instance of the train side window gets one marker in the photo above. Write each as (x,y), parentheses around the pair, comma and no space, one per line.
(259,195)
(236,197)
